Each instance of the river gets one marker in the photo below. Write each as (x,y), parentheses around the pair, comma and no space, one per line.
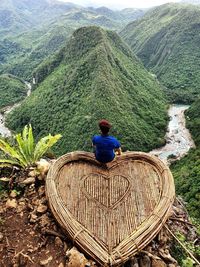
(178,138)
(4,131)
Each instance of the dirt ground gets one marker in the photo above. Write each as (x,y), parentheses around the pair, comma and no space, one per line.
(29,235)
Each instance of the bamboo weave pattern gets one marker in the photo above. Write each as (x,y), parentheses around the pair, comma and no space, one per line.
(110,211)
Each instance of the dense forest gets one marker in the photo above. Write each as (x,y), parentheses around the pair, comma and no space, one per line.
(187,171)
(31,31)
(12,90)
(96,76)
(166,39)
(85,64)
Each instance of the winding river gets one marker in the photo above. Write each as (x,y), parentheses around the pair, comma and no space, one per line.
(178,138)
(4,131)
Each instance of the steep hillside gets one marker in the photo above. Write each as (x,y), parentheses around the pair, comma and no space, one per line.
(16,16)
(95,76)
(167,40)
(187,171)
(12,90)
(39,28)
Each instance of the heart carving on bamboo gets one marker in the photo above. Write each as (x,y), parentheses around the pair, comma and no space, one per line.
(101,188)
(110,212)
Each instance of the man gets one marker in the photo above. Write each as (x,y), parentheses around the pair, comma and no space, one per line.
(104,144)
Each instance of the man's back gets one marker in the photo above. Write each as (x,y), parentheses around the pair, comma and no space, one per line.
(105,145)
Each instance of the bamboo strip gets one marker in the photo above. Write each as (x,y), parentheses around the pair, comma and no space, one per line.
(90,240)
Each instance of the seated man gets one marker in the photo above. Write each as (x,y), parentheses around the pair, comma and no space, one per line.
(104,144)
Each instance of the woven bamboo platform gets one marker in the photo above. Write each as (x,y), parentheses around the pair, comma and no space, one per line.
(110,211)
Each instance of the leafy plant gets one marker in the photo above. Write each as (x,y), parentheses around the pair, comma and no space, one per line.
(188,262)
(26,153)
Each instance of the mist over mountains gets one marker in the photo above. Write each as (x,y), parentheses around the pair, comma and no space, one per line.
(31,31)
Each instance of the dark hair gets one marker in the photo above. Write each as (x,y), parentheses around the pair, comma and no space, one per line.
(104,129)
(104,126)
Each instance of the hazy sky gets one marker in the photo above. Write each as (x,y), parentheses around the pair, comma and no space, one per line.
(120,3)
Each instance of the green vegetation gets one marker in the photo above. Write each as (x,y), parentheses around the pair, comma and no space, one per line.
(181,255)
(167,40)
(26,152)
(37,29)
(95,76)
(12,90)
(187,171)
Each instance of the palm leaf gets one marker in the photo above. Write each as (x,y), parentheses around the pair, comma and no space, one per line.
(22,147)
(12,152)
(5,165)
(30,141)
(44,144)
(10,162)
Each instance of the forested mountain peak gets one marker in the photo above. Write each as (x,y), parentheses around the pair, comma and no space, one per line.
(167,40)
(95,76)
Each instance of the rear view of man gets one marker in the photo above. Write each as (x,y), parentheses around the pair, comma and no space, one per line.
(104,144)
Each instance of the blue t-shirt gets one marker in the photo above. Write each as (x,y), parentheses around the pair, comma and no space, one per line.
(105,145)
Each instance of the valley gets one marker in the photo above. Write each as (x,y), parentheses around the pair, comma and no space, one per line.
(138,68)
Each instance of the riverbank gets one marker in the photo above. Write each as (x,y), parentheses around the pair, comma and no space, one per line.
(178,138)
(4,131)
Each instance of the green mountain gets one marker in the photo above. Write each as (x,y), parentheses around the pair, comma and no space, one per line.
(187,171)
(167,41)
(95,76)
(39,28)
(12,90)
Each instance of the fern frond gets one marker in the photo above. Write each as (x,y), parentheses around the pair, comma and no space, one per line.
(30,141)
(10,162)
(44,144)
(12,152)
(5,165)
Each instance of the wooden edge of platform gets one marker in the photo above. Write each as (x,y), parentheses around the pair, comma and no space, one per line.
(137,240)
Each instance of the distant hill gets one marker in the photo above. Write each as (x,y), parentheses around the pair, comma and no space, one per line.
(31,31)
(167,41)
(193,2)
(12,90)
(187,170)
(95,76)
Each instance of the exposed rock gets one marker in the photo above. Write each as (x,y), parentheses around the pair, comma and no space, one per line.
(29,180)
(44,221)
(11,203)
(33,218)
(164,253)
(75,258)
(158,263)
(47,261)
(42,167)
(33,173)
(1,236)
(145,261)
(41,190)
(42,208)
(61,265)
(58,242)
(133,263)
(13,194)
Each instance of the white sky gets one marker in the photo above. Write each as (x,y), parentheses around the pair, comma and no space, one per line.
(119,4)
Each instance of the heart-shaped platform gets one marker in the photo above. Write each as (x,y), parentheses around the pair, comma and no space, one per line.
(111,211)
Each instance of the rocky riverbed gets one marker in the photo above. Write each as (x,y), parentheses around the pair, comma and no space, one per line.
(178,138)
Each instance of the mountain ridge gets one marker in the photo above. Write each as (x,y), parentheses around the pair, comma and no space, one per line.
(167,41)
(98,77)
